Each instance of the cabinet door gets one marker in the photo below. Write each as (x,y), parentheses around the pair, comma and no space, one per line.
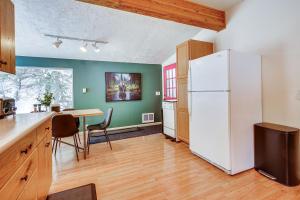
(7,37)
(29,192)
(183,125)
(182,111)
(199,49)
(182,60)
(44,167)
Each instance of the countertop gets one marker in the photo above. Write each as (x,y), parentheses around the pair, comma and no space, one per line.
(14,128)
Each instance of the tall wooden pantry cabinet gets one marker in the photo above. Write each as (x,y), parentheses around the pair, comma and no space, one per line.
(185,52)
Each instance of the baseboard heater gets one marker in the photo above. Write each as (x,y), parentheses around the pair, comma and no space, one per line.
(126,129)
(147,118)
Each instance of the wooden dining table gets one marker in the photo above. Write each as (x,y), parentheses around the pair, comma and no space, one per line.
(83,114)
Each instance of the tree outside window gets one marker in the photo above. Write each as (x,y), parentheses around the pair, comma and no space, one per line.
(30,83)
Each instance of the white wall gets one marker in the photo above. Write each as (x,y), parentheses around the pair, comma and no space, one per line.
(270,28)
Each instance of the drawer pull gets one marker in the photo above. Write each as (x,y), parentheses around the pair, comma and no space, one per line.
(3,62)
(48,128)
(25,151)
(24,178)
(47,144)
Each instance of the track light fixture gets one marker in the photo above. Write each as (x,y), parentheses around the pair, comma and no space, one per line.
(57,43)
(83,48)
(84,45)
(96,48)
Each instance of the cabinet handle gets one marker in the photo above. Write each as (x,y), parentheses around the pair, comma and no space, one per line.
(24,151)
(48,128)
(3,62)
(47,144)
(24,178)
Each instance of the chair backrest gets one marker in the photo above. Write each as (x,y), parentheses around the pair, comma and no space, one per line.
(77,121)
(68,109)
(63,125)
(107,118)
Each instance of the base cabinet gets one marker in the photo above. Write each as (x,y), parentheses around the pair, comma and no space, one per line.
(44,167)
(29,192)
(31,162)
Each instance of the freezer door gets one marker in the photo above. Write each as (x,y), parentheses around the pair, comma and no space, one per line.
(210,73)
(209,127)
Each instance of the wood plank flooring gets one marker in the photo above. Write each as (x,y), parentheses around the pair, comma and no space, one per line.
(153,168)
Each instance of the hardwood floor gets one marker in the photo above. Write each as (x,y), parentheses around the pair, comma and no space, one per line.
(152,167)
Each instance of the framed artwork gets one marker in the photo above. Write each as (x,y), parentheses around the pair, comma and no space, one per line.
(123,86)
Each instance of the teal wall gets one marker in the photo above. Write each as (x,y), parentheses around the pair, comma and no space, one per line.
(91,75)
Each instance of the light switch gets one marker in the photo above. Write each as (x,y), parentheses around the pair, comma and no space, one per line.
(84,90)
(157,93)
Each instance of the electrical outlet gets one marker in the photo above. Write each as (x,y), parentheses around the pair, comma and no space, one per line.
(157,93)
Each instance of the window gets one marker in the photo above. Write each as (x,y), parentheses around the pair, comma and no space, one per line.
(29,83)
(170,82)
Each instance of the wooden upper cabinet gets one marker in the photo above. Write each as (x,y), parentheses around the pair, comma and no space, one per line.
(182,53)
(199,49)
(186,51)
(7,37)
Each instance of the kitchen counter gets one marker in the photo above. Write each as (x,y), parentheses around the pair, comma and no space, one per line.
(14,128)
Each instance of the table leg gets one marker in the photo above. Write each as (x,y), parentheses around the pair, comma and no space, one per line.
(84,138)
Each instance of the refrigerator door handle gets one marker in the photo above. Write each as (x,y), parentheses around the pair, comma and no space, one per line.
(190,89)
(190,101)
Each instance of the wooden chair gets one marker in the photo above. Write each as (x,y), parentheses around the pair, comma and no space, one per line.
(101,126)
(64,126)
(77,122)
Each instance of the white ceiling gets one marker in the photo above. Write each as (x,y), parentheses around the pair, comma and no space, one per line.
(132,38)
(218,4)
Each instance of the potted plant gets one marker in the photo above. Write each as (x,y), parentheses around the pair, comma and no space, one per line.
(47,99)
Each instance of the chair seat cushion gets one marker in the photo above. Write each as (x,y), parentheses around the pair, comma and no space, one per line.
(96,127)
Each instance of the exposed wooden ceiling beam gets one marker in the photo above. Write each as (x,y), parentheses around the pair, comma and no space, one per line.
(182,11)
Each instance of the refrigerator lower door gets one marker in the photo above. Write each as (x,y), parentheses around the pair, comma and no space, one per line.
(209,127)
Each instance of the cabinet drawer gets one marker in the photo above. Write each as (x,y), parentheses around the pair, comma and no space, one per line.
(29,192)
(44,167)
(43,130)
(14,157)
(20,179)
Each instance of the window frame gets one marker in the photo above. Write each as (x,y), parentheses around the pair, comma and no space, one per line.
(166,78)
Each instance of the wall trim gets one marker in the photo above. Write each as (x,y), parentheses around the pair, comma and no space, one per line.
(128,127)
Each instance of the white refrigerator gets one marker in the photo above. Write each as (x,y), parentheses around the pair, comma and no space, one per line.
(224,98)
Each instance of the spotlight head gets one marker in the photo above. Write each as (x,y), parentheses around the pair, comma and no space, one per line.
(83,48)
(57,43)
(96,48)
